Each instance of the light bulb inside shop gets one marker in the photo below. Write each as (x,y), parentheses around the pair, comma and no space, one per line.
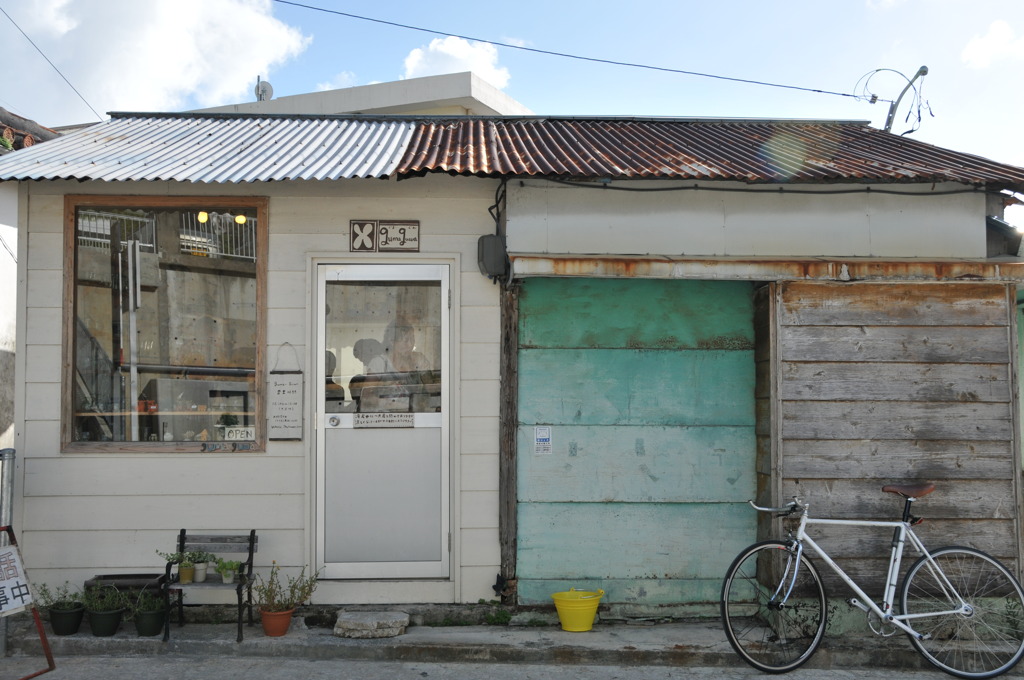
(203,217)
(240,219)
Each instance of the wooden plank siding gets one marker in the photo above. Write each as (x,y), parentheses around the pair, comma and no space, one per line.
(891,382)
(648,387)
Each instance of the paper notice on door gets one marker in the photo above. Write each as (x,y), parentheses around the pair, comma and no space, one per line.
(383,420)
(542,441)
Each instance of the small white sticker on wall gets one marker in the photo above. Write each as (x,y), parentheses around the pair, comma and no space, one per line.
(542,440)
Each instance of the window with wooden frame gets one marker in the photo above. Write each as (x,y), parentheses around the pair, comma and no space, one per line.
(164,323)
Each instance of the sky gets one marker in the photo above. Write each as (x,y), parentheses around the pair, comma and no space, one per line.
(73,61)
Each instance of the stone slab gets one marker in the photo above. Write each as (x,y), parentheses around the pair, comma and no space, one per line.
(363,625)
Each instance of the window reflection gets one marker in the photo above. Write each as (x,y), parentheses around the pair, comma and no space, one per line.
(386,341)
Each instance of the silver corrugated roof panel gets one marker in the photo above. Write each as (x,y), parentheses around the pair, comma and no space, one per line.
(217,149)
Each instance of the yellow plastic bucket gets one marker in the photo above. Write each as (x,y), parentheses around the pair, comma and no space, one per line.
(577,608)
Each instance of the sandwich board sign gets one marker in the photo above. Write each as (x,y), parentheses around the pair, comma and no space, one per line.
(16,593)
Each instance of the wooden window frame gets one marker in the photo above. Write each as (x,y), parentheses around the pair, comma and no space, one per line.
(71,204)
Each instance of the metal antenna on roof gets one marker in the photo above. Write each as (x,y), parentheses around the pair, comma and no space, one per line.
(923,71)
(264,91)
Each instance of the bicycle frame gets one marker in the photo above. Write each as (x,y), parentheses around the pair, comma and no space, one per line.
(902,532)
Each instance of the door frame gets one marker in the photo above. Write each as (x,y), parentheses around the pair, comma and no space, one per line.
(451,416)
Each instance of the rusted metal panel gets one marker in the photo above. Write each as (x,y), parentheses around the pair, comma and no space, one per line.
(766,269)
(747,151)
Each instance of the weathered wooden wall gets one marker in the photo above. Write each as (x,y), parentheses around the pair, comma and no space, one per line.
(881,383)
(648,387)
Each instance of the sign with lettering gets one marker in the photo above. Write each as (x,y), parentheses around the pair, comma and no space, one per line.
(384,236)
(284,405)
(383,420)
(15,594)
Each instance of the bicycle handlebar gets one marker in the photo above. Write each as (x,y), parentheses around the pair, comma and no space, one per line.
(793,508)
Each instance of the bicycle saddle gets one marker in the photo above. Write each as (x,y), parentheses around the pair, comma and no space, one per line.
(910,490)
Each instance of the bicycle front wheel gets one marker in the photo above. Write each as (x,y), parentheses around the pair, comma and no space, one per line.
(988,637)
(771,631)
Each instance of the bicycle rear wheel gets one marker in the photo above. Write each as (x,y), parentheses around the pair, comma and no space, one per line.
(772,636)
(983,642)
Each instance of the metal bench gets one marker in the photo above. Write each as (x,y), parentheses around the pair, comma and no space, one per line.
(216,544)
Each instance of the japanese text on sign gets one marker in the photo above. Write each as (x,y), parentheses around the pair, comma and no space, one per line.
(15,594)
(284,406)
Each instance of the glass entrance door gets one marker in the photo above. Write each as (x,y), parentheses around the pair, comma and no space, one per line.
(382,452)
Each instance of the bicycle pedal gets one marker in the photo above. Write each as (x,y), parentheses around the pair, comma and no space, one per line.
(854,602)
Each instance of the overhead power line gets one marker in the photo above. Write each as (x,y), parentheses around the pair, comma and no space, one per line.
(98,116)
(563,54)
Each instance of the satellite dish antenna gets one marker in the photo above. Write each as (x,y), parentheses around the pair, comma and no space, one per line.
(264,90)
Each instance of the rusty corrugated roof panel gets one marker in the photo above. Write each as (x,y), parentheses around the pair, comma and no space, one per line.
(230,148)
(217,149)
(746,151)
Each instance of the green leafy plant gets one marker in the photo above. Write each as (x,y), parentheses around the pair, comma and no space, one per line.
(187,559)
(145,601)
(61,598)
(277,595)
(225,566)
(199,556)
(228,420)
(104,599)
(6,143)
(179,558)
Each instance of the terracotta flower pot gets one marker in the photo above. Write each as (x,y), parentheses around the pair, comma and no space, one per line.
(276,624)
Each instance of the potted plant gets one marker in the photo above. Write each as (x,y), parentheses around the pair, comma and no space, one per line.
(149,612)
(64,604)
(186,567)
(105,606)
(277,599)
(225,421)
(200,562)
(227,569)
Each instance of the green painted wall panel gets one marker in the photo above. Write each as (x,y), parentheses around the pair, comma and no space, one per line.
(651,592)
(648,387)
(636,313)
(573,541)
(637,464)
(642,387)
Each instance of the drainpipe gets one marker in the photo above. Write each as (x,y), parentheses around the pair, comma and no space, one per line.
(6,506)
(6,487)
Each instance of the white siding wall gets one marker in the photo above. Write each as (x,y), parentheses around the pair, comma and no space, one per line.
(8,306)
(751,221)
(85,514)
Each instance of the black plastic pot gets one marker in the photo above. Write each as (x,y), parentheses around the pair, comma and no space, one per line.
(148,624)
(66,621)
(105,624)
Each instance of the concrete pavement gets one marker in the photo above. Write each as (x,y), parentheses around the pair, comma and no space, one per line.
(690,645)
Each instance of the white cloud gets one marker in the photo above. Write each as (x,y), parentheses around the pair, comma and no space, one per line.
(998,44)
(455,55)
(157,55)
(340,80)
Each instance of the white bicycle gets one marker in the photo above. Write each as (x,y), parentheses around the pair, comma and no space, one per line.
(962,609)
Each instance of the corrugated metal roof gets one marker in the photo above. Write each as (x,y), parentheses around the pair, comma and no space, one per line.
(230,148)
(217,148)
(747,151)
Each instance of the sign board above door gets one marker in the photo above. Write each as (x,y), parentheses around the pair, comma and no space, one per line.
(384,236)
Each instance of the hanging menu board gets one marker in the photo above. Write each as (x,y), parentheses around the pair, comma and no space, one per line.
(284,405)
